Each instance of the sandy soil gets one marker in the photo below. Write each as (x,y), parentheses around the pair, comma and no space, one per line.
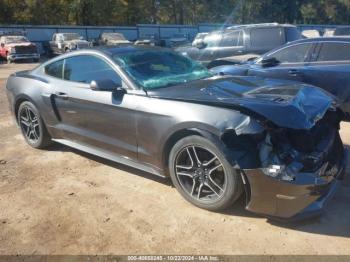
(61,201)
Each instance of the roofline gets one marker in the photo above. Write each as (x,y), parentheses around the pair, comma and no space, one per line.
(259,25)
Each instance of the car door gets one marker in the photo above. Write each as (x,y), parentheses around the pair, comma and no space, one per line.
(230,45)
(101,119)
(330,70)
(292,62)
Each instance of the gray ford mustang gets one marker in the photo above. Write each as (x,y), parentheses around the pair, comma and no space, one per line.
(215,136)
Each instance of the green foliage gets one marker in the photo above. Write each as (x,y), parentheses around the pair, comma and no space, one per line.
(131,12)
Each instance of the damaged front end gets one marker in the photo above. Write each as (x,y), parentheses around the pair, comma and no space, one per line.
(291,173)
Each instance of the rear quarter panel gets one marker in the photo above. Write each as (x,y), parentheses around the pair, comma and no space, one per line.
(24,87)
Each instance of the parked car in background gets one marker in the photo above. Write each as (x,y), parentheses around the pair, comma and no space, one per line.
(147,39)
(310,33)
(66,42)
(323,62)
(178,40)
(199,38)
(342,31)
(328,32)
(108,38)
(14,47)
(215,136)
(237,43)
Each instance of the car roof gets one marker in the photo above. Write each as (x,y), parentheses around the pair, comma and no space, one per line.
(251,26)
(322,39)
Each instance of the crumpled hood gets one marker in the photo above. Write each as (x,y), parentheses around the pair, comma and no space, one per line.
(285,103)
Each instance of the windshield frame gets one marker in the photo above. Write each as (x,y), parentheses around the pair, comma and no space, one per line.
(138,84)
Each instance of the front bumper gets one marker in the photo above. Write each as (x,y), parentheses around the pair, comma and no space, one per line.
(305,197)
(14,57)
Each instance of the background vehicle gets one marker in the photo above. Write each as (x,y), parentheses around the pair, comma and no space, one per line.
(148,39)
(66,42)
(199,38)
(310,33)
(323,62)
(161,112)
(14,47)
(178,40)
(112,39)
(236,43)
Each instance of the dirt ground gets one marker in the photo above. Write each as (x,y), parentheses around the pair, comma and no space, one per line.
(61,201)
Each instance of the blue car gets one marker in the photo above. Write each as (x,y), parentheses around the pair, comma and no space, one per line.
(322,62)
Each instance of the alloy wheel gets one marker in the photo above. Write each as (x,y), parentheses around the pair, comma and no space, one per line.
(29,122)
(200,173)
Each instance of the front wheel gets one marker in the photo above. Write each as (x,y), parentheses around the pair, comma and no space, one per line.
(32,126)
(202,175)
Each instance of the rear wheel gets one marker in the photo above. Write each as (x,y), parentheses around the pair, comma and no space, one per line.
(32,126)
(202,175)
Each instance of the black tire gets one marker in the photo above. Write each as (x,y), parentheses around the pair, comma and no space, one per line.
(227,187)
(32,126)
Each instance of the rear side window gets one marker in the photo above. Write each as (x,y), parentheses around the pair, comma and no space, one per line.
(334,52)
(234,38)
(266,37)
(86,68)
(55,69)
(291,54)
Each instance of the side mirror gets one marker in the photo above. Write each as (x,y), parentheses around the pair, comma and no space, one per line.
(106,85)
(269,62)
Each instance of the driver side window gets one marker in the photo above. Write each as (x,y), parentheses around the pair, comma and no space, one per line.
(86,68)
(292,54)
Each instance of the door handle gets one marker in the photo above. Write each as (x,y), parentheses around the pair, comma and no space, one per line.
(61,95)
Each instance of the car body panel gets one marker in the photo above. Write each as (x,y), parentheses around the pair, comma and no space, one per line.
(332,76)
(138,127)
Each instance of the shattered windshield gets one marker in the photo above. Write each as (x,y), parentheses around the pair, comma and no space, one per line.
(16,39)
(153,69)
(72,36)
